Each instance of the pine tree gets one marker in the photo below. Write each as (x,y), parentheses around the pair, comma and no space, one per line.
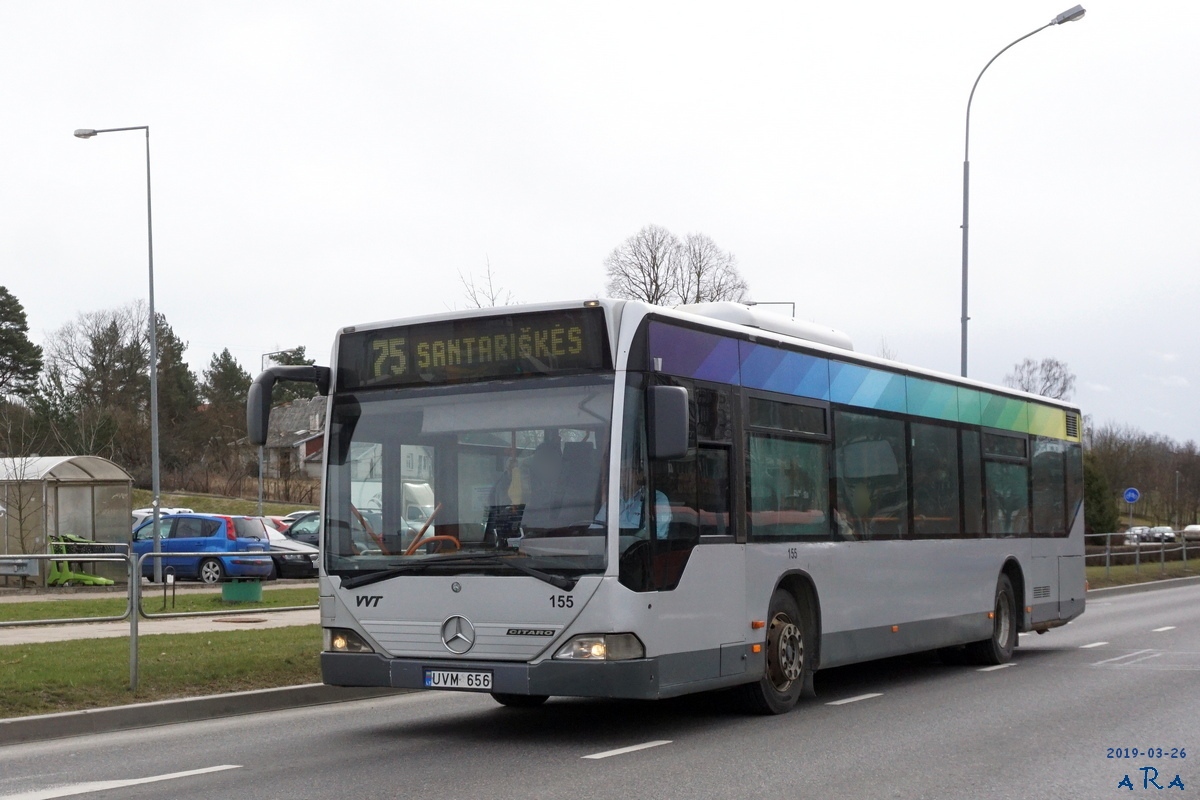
(225,382)
(180,436)
(288,391)
(20,359)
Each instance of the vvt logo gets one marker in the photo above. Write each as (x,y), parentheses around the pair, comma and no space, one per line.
(368,600)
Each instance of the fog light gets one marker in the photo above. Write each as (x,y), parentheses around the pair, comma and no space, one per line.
(603,647)
(341,640)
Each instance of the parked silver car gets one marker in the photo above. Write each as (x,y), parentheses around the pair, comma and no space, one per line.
(1162,533)
(1137,534)
(292,558)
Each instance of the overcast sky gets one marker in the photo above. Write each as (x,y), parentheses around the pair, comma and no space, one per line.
(320,164)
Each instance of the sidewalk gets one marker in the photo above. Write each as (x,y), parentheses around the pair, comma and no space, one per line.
(256,618)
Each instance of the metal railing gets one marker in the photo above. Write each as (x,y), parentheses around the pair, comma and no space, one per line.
(29,565)
(1135,547)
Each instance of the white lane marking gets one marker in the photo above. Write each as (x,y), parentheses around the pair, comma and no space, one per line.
(854,699)
(73,789)
(632,749)
(1160,630)
(1143,658)
(998,666)
(1119,658)
(1093,644)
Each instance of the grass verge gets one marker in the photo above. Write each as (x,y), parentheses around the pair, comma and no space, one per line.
(212,504)
(94,673)
(1150,570)
(152,603)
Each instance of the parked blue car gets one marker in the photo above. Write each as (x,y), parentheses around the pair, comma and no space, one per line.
(237,551)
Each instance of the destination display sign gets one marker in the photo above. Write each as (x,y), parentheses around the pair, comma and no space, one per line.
(538,343)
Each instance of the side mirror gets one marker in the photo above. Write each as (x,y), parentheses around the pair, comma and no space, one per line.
(668,417)
(258,411)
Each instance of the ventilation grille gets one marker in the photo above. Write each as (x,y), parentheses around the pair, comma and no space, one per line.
(1072,426)
(1041,592)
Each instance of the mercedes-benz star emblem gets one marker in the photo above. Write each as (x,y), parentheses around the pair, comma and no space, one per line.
(456,587)
(458,634)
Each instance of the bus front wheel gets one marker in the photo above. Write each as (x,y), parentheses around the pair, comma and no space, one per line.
(787,665)
(998,648)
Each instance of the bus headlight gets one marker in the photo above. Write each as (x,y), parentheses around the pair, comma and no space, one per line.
(341,640)
(603,647)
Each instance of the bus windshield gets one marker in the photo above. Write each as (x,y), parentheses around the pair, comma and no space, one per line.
(502,477)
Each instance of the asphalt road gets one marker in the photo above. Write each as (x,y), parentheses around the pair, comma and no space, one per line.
(1121,678)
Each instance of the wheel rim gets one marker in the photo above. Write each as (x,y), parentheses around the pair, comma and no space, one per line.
(1003,620)
(785,652)
(210,572)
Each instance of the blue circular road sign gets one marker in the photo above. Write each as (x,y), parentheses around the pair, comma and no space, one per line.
(1132,495)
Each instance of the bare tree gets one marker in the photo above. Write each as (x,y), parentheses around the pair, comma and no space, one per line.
(655,266)
(707,273)
(1166,472)
(1050,378)
(645,267)
(485,294)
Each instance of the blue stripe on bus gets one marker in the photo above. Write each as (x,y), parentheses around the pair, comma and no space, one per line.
(783,371)
(712,357)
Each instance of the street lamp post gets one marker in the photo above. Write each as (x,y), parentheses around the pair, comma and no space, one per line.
(87,133)
(1070,15)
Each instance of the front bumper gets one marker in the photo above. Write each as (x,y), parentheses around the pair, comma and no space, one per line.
(295,568)
(247,566)
(633,679)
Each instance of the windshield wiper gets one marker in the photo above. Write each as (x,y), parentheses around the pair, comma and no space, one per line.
(557,581)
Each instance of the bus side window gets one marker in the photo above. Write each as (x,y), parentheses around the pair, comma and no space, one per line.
(788,491)
(935,480)
(696,489)
(871,476)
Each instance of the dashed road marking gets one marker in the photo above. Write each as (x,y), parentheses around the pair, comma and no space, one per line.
(73,789)
(1093,644)
(631,749)
(855,699)
(998,666)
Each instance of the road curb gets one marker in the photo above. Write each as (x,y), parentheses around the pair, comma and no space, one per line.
(1147,586)
(18,730)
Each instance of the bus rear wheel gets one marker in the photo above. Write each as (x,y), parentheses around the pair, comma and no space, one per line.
(787,666)
(519,700)
(998,648)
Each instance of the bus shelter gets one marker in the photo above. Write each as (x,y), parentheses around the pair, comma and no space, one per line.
(44,499)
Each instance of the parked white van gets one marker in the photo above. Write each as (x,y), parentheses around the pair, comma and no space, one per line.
(140,515)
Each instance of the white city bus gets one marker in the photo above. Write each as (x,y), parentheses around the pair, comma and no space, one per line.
(782,504)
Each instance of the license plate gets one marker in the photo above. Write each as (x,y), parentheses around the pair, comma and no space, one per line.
(472,680)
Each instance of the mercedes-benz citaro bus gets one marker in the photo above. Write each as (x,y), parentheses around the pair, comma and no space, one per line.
(630,501)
